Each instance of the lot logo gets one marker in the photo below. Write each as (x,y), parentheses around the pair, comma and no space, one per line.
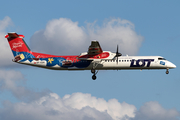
(162,63)
(141,62)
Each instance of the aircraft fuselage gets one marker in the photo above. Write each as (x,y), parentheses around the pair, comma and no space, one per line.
(123,62)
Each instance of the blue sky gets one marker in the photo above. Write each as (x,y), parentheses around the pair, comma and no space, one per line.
(151,26)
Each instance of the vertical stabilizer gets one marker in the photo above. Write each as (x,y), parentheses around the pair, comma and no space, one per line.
(18,46)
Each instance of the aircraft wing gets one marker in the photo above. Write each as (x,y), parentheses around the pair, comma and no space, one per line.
(94,52)
(94,48)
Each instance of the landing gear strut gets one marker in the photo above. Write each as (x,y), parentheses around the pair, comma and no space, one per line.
(95,63)
(93,71)
(94,74)
(167,71)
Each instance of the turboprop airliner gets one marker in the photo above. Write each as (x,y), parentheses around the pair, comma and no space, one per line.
(94,59)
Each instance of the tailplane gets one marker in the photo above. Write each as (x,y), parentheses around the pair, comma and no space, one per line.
(18,46)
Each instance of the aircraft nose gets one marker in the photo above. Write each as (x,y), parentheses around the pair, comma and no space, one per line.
(171,65)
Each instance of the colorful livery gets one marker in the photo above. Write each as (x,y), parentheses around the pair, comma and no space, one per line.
(94,59)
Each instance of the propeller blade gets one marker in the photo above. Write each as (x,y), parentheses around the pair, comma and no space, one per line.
(117,55)
(117,60)
(117,50)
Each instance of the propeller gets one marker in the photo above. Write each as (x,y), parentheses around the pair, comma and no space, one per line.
(117,54)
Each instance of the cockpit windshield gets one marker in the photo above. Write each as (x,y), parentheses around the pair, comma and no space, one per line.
(161,59)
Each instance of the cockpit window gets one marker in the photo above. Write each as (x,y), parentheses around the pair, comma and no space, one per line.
(161,59)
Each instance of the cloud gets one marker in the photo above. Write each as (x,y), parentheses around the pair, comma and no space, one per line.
(47,105)
(63,36)
(154,111)
(80,106)
(5,23)
(67,108)
(60,36)
(77,106)
(115,109)
(14,82)
(117,32)
(6,54)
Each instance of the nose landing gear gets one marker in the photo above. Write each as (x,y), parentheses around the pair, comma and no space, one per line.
(167,71)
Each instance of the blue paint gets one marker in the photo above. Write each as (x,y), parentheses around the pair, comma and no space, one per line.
(60,62)
(136,63)
(162,63)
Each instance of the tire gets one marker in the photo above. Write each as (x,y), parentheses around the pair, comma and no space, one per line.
(94,77)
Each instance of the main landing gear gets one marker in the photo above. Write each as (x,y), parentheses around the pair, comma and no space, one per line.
(167,71)
(93,71)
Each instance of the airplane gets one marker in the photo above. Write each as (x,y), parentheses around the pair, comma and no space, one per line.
(94,59)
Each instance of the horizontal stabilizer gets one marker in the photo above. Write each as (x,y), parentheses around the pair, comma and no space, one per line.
(14,35)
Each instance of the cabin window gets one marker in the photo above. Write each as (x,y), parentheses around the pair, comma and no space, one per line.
(161,59)
(127,60)
(119,60)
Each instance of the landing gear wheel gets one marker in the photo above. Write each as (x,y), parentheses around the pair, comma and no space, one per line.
(93,70)
(94,77)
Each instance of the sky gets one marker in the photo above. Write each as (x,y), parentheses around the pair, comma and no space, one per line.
(142,28)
